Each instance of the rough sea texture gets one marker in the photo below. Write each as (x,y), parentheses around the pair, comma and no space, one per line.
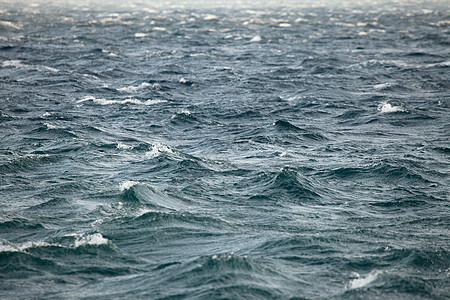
(202,152)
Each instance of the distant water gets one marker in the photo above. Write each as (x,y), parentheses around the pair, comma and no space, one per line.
(236,153)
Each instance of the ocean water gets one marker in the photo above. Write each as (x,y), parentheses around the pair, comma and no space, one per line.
(236,151)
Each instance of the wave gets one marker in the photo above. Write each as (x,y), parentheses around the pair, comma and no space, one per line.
(102,101)
(144,194)
(95,239)
(69,241)
(53,203)
(293,183)
(27,162)
(391,87)
(386,107)
(159,149)
(396,283)
(287,127)
(62,260)
(184,117)
(360,282)
(142,86)
(19,64)
(286,185)
(394,172)
(20,224)
(47,128)
(225,275)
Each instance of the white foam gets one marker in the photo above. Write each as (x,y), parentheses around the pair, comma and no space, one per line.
(441,64)
(210,17)
(95,239)
(298,20)
(134,89)
(6,246)
(81,240)
(382,86)
(159,29)
(140,35)
(13,63)
(10,24)
(386,107)
(122,146)
(157,149)
(45,68)
(377,30)
(361,282)
(343,24)
(256,39)
(102,101)
(140,102)
(126,185)
(31,244)
(285,25)
(50,126)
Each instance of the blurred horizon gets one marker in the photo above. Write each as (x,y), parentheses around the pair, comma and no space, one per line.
(216,4)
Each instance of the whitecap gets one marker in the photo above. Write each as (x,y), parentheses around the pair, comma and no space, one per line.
(360,282)
(45,68)
(440,64)
(6,246)
(134,89)
(140,35)
(386,107)
(256,39)
(126,185)
(13,63)
(158,149)
(383,86)
(210,17)
(122,146)
(10,24)
(102,101)
(95,239)
(343,24)
(285,25)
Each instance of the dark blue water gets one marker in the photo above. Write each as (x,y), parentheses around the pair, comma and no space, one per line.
(175,152)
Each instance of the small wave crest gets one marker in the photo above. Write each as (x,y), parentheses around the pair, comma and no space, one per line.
(144,194)
(360,282)
(386,107)
(142,86)
(102,101)
(80,240)
(13,64)
(383,86)
(227,260)
(95,239)
(126,185)
(285,184)
(6,246)
(157,150)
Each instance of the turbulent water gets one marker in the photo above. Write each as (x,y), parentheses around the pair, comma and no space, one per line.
(285,152)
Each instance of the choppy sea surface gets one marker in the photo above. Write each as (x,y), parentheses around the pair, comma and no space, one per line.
(239,152)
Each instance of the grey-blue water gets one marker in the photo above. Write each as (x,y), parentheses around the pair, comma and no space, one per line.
(236,153)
